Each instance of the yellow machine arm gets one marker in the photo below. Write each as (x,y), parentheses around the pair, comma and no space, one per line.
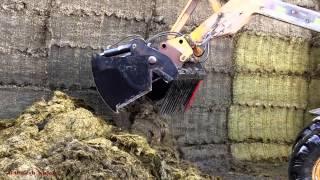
(188,10)
(231,17)
(171,72)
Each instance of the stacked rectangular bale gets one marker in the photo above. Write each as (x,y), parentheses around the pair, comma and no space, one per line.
(270,88)
(263,73)
(23,54)
(79,28)
(201,133)
(314,86)
(48,44)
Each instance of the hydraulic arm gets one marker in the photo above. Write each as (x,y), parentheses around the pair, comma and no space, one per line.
(171,71)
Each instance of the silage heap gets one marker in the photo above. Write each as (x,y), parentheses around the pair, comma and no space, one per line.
(67,141)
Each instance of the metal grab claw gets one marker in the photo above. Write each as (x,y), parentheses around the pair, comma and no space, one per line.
(126,73)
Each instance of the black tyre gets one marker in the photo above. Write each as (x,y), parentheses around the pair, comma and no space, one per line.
(305,159)
(314,125)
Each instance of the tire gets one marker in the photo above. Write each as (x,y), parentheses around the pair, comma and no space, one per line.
(313,126)
(305,157)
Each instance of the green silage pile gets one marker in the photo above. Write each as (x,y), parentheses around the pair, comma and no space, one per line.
(66,141)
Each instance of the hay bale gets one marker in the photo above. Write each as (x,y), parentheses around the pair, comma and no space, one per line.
(38,6)
(221,56)
(280,125)
(315,60)
(264,53)
(23,68)
(90,31)
(215,91)
(22,30)
(70,67)
(270,90)
(260,152)
(212,158)
(126,9)
(314,99)
(200,126)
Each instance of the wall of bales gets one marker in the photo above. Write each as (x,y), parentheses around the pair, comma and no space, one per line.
(47,45)
(270,88)
(313,99)
(254,100)
(202,132)
(250,107)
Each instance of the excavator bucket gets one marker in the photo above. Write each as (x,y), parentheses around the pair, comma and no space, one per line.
(128,72)
(118,80)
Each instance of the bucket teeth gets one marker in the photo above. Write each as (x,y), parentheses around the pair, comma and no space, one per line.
(124,74)
(178,96)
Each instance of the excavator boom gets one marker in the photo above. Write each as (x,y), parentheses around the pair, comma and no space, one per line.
(170,72)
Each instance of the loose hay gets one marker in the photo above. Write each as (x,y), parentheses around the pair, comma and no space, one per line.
(68,141)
